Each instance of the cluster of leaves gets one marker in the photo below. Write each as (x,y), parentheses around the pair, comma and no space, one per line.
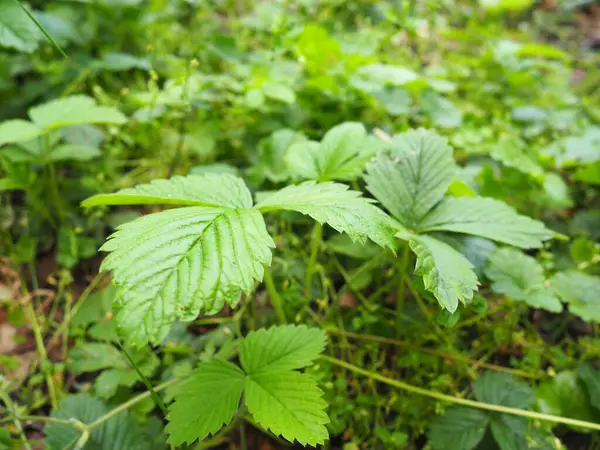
(206,117)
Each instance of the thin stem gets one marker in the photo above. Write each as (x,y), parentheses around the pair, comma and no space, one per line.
(461,401)
(243,444)
(315,243)
(128,404)
(471,362)
(41,349)
(274,296)
(42,419)
(11,410)
(146,382)
(423,308)
(400,295)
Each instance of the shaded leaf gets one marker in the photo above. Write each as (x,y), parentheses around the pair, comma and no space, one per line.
(460,428)
(581,291)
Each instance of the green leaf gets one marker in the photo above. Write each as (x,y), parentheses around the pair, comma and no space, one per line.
(210,189)
(414,177)
(521,278)
(18,130)
(74,110)
(281,348)
(581,291)
(117,433)
(176,263)
(591,379)
(477,250)
(332,203)
(74,152)
(509,432)
(271,154)
(341,155)
(485,217)
(503,389)
(511,151)
(446,273)
(90,357)
(205,402)
(460,428)
(17,31)
(289,404)
(564,395)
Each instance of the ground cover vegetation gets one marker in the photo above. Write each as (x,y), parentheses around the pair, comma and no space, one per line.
(272,224)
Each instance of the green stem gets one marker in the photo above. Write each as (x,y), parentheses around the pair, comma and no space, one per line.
(41,349)
(11,410)
(461,401)
(128,404)
(315,243)
(274,296)
(146,382)
(401,287)
(243,444)
(428,351)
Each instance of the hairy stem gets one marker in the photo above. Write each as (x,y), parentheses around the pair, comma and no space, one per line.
(460,401)
(5,397)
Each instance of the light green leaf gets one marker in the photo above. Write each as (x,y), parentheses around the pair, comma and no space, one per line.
(209,189)
(341,155)
(16,29)
(460,428)
(511,151)
(90,357)
(271,154)
(205,402)
(521,278)
(591,379)
(74,152)
(281,348)
(117,433)
(503,389)
(176,263)
(344,210)
(574,150)
(289,404)
(488,218)
(414,178)
(477,250)
(278,91)
(581,291)
(74,110)
(18,130)
(446,273)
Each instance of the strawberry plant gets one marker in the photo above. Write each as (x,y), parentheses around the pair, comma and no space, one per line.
(255,225)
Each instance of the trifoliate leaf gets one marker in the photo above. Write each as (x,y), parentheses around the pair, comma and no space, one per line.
(503,389)
(117,433)
(205,402)
(485,217)
(341,155)
(18,130)
(209,189)
(591,379)
(414,177)
(74,110)
(289,404)
(179,262)
(581,291)
(344,210)
(521,278)
(446,273)
(460,428)
(16,29)
(281,348)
